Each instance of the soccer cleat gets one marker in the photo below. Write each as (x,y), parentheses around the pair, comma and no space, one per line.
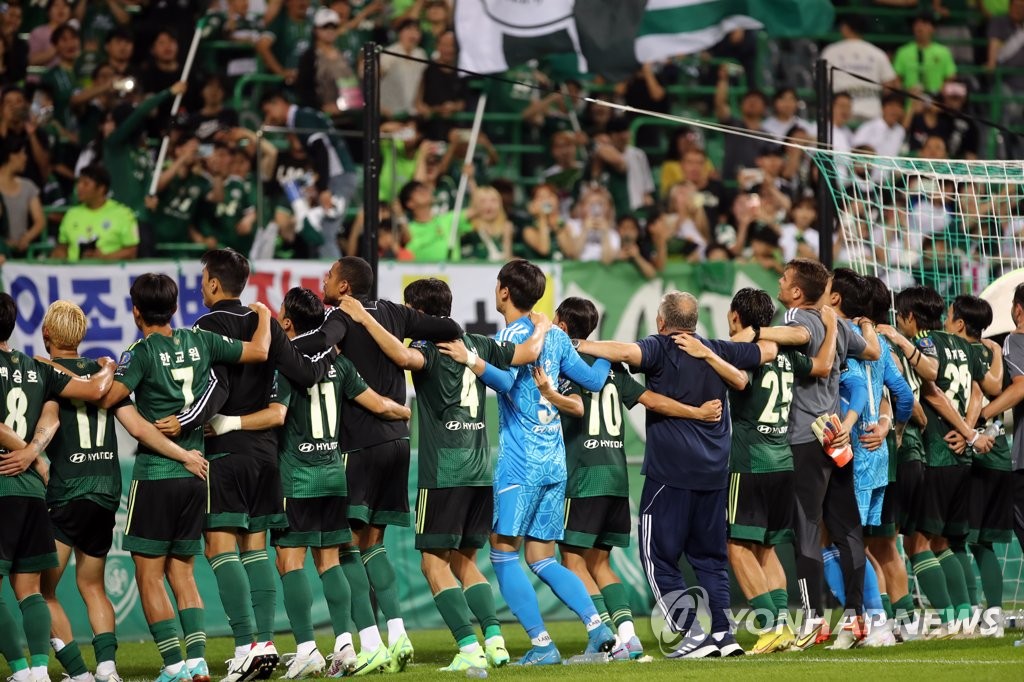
(400,653)
(40,678)
(342,662)
(777,639)
(242,668)
(463,662)
(84,677)
(727,644)
(696,647)
(269,658)
(200,672)
(880,636)
(372,661)
(301,667)
(850,635)
(112,677)
(180,676)
(600,640)
(629,651)
(497,654)
(541,655)
(993,623)
(814,631)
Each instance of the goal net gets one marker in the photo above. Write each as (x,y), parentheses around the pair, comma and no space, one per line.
(956,226)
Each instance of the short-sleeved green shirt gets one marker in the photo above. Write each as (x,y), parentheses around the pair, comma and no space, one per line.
(110,227)
(221,221)
(311,464)
(62,84)
(595,453)
(25,386)
(450,405)
(928,67)
(760,416)
(168,374)
(83,452)
(291,39)
(429,241)
(182,203)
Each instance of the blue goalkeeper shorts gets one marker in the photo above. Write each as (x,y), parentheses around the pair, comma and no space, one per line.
(869,503)
(532,511)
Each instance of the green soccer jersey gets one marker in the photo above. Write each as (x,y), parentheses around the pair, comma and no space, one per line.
(182,203)
(595,453)
(999,457)
(454,450)
(912,447)
(760,416)
(83,453)
(311,464)
(168,374)
(956,367)
(62,85)
(291,39)
(222,221)
(26,385)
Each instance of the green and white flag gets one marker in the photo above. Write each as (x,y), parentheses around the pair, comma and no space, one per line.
(610,37)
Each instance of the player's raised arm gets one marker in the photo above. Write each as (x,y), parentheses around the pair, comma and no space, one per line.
(614,351)
(872,348)
(147,434)
(992,383)
(825,358)
(734,378)
(258,349)
(497,379)
(529,350)
(397,352)
(294,365)
(419,325)
(925,365)
(570,403)
(92,389)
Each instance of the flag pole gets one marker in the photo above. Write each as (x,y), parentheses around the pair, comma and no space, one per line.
(165,142)
(368,248)
(460,194)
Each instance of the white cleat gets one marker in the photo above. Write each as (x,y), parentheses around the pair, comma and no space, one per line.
(301,667)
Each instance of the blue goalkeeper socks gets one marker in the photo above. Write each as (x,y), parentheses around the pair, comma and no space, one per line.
(872,595)
(517,591)
(569,588)
(834,573)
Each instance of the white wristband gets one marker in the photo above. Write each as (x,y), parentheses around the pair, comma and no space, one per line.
(471,358)
(974,440)
(222,424)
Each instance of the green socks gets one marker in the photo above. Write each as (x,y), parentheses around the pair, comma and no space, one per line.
(887,606)
(481,602)
(602,609)
(339,599)
(165,634)
(359,584)
(263,590)
(452,606)
(298,603)
(618,603)
(70,656)
(956,583)
(904,608)
(382,577)
(766,614)
(781,600)
(193,627)
(932,580)
(10,640)
(35,621)
(991,574)
(105,646)
(969,578)
(233,586)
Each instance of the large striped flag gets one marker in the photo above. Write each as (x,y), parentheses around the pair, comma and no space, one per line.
(610,37)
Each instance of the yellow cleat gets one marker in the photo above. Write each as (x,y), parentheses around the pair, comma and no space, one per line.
(778,639)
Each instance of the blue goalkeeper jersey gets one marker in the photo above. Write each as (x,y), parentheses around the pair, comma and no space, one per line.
(531,449)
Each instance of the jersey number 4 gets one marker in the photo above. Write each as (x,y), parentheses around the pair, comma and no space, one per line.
(470,397)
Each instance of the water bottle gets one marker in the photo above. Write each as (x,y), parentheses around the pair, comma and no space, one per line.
(597,657)
(476,673)
(994,429)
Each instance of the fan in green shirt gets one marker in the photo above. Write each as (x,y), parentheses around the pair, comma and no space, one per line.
(183,196)
(98,227)
(922,63)
(428,233)
(60,78)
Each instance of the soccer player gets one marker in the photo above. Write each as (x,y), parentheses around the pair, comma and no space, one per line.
(84,492)
(686,464)
(455,501)
(245,485)
(990,510)
(377,451)
(26,538)
(801,289)
(530,475)
(167,370)
(597,490)
(944,363)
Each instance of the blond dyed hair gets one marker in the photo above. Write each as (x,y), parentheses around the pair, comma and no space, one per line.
(64,324)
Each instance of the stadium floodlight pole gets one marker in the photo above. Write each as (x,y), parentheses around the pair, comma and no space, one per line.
(460,193)
(826,212)
(185,72)
(371,159)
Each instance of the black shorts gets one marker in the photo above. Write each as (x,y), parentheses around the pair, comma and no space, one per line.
(84,525)
(909,495)
(990,509)
(944,502)
(314,522)
(887,527)
(166,517)
(453,518)
(761,507)
(378,484)
(601,522)
(26,537)
(245,492)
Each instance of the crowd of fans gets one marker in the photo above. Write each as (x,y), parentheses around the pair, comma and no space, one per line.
(88,90)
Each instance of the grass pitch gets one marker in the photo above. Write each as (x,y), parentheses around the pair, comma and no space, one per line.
(974,659)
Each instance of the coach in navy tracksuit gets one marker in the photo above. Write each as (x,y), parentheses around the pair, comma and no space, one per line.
(686,464)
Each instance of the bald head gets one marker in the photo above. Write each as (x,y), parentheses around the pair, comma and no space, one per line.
(678,312)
